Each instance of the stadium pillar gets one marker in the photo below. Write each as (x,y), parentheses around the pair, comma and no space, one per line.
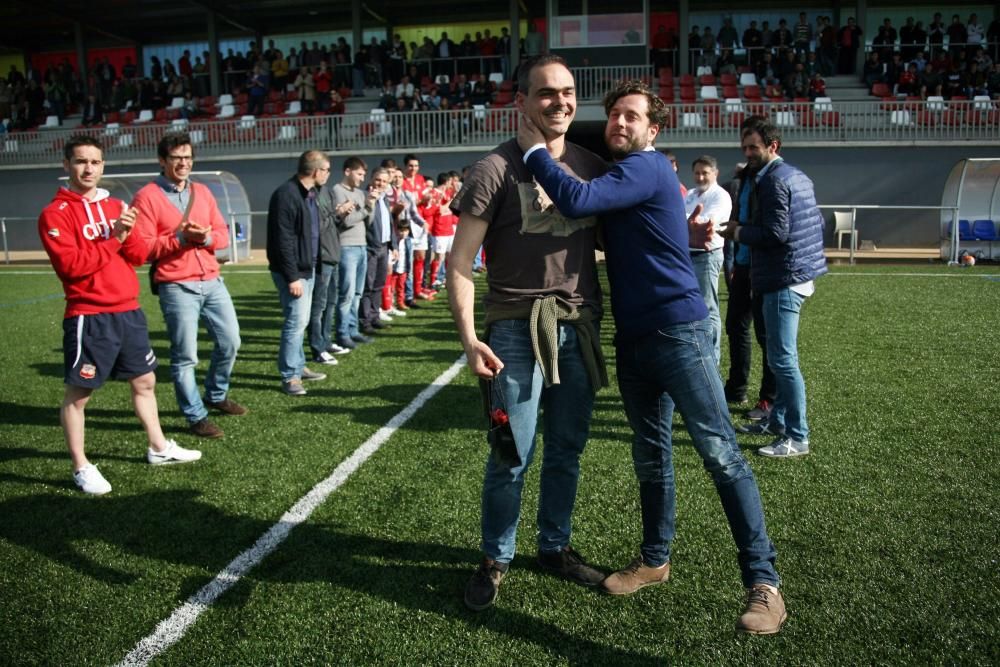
(214,57)
(81,52)
(356,26)
(683,18)
(514,57)
(862,20)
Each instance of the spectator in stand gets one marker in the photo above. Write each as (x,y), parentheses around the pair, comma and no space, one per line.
(128,69)
(907,84)
(827,47)
(849,39)
(936,32)
(908,39)
(387,96)
(920,62)
(797,83)
(812,65)
(974,83)
(293,251)
(874,70)
(358,72)
(781,40)
(404,89)
(817,86)
(883,45)
(279,72)
(767,73)
(753,43)
(957,36)
(93,113)
(488,51)
(954,81)
(444,51)
(890,32)
(726,63)
(766,36)
(728,38)
(983,60)
(975,35)
(323,80)
(183,227)
(931,81)
(894,69)
(305,86)
(258,84)
(534,41)
(708,42)
(184,67)
(802,36)
(91,241)
(993,82)
(786,65)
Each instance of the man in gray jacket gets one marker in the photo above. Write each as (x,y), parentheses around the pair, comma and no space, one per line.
(352,225)
(326,289)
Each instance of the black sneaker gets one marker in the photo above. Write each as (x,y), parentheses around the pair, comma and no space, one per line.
(570,565)
(481,591)
(760,428)
(347,343)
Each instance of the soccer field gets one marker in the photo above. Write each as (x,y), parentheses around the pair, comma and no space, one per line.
(888,533)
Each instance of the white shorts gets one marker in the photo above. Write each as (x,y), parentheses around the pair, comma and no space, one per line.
(420,243)
(442,244)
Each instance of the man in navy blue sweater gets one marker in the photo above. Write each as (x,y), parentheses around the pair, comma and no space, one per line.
(785,236)
(665,354)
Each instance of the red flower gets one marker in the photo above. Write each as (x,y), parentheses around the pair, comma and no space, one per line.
(498,416)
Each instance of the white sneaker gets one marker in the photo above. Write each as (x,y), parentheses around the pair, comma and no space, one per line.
(173,453)
(396,312)
(325,358)
(90,480)
(336,349)
(384,316)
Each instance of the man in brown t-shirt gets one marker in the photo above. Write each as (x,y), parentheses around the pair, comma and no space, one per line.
(542,349)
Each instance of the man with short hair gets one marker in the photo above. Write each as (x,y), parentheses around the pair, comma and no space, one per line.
(352,223)
(183,228)
(785,237)
(90,239)
(293,250)
(382,248)
(542,285)
(662,345)
(716,206)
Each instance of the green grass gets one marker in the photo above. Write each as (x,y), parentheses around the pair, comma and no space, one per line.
(887,532)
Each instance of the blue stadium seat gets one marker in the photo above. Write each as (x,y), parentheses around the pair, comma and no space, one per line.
(965,231)
(983,230)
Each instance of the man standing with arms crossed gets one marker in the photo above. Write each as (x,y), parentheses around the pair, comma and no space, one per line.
(542,282)
(785,237)
(663,343)
(90,239)
(184,228)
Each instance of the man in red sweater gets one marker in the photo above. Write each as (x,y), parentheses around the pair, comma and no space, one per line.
(88,237)
(182,245)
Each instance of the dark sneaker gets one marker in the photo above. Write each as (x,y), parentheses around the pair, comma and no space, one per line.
(570,565)
(481,591)
(764,613)
(759,428)
(293,387)
(760,412)
(228,406)
(736,398)
(361,338)
(634,576)
(367,330)
(347,343)
(206,429)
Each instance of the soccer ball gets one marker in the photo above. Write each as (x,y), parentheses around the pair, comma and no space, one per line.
(968,260)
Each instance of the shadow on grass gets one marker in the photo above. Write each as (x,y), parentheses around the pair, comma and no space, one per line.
(421,576)
(103,419)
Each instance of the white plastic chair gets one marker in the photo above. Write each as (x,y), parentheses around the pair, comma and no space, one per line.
(224,100)
(709,93)
(823,104)
(228,111)
(247,122)
(197,136)
(51,122)
(179,124)
(982,103)
(748,79)
(935,103)
(145,116)
(843,225)
(294,107)
(900,117)
(733,105)
(497,78)
(703,70)
(125,140)
(479,111)
(288,133)
(176,103)
(111,129)
(785,119)
(691,119)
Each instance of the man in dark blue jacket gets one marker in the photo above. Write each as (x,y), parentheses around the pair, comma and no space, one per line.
(785,237)
(293,225)
(665,354)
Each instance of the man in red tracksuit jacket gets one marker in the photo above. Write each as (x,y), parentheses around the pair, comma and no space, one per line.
(88,237)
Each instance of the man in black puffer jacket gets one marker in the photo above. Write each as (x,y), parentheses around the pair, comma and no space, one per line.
(785,237)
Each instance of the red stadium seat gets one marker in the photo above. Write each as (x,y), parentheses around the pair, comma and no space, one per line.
(881,90)
(706,80)
(751,92)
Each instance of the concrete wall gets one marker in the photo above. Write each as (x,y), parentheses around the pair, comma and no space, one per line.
(880,175)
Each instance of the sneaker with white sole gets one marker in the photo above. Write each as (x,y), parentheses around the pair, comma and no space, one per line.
(785,447)
(90,480)
(173,453)
(337,349)
(325,358)
(383,316)
(396,312)
(312,376)
(760,412)
(760,428)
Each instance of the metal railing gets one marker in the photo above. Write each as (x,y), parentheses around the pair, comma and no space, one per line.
(593,82)
(701,123)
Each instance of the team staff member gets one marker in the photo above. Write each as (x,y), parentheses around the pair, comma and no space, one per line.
(182,244)
(90,241)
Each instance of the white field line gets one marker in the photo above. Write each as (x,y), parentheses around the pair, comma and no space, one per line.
(173,628)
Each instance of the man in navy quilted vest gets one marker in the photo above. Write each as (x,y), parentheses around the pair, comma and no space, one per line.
(785,237)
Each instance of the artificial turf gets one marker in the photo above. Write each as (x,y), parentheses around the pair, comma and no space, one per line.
(887,532)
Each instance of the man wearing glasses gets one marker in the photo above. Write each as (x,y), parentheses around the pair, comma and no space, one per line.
(183,227)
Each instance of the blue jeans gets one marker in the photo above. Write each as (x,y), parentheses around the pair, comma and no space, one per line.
(567,407)
(707,266)
(781,319)
(291,358)
(326,291)
(672,368)
(183,305)
(353,267)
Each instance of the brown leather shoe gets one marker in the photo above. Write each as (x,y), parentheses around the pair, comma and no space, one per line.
(206,429)
(228,406)
(764,613)
(634,576)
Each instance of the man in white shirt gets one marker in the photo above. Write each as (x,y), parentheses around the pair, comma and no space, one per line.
(717,207)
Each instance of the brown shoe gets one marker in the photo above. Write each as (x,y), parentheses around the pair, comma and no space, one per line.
(764,613)
(481,591)
(228,406)
(634,576)
(206,429)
